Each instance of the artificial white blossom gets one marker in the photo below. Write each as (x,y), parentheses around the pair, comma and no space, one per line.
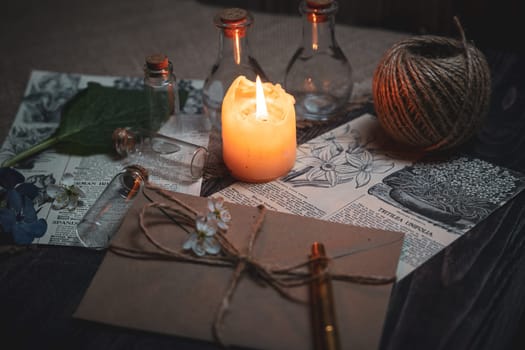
(218,213)
(203,240)
(66,194)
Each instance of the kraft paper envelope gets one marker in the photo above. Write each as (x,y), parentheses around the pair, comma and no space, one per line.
(181,298)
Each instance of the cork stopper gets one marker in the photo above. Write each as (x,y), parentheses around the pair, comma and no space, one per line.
(233,21)
(233,15)
(157,61)
(133,172)
(123,141)
(319,4)
(318,11)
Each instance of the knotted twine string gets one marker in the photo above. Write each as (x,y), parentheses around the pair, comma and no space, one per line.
(278,277)
(432,92)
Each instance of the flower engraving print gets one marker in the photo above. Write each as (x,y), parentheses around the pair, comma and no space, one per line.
(454,193)
(338,159)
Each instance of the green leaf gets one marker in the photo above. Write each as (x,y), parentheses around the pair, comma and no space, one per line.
(90,117)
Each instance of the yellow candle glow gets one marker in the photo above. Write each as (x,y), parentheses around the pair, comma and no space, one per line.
(258,138)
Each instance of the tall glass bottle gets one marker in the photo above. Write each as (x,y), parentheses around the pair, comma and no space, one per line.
(161,86)
(234,59)
(319,75)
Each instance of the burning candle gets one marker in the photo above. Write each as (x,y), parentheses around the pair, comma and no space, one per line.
(258,130)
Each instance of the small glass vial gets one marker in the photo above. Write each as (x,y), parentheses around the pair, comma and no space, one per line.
(169,158)
(234,59)
(161,86)
(104,217)
(319,75)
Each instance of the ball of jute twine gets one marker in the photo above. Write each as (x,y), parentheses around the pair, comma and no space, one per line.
(432,92)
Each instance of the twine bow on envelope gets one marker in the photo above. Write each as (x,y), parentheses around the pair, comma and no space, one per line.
(281,278)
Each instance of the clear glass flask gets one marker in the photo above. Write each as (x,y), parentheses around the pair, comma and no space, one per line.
(161,87)
(319,75)
(234,59)
(166,157)
(104,217)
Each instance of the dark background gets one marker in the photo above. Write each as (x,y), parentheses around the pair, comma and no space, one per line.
(489,23)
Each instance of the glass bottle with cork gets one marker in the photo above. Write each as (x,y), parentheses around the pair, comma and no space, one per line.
(234,59)
(161,86)
(102,220)
(166,157)
(319,75)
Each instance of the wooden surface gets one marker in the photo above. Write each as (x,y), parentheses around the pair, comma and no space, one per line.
(470,296)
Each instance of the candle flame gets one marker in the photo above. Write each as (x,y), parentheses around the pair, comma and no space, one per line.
(261,112)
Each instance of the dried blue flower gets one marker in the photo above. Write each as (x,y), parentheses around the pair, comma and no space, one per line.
(18,216)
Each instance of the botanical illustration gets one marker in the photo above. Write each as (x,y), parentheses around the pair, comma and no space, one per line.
(22,138)
(46,97)
(190,97)
(337,159)
(453,193)
(132,83)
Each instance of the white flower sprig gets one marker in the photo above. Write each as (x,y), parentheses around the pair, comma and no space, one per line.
(66,194)
(203,240)
(218,213)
